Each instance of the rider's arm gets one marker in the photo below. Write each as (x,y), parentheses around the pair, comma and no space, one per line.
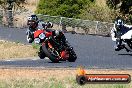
(127,25)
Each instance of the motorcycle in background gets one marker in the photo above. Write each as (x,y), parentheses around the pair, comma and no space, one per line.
(126,40)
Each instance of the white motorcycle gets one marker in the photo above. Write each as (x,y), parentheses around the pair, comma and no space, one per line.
(126,40)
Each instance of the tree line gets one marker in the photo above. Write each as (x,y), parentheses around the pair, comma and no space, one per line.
(81,8)
(4,4)
(78,8)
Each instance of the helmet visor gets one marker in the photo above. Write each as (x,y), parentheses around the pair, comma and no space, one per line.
(33,19)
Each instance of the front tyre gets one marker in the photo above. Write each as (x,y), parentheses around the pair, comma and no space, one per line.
(41,54)
(52,57)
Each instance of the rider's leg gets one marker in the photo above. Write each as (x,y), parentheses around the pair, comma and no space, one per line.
(119,45)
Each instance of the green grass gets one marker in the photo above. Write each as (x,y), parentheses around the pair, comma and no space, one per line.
(54,83)
(17,42)
(35,46)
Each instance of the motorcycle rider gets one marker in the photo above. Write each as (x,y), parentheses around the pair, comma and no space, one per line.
(35,24)
(117,31)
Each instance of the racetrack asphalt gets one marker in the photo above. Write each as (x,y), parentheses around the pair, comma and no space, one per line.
(92,52)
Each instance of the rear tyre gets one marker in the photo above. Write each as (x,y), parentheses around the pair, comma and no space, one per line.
(72,56)
(52,57)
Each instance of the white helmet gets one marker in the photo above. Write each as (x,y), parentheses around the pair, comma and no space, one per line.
(118,24)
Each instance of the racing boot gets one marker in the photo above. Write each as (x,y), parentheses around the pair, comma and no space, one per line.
(119,47)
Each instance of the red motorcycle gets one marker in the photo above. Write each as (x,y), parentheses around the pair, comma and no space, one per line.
(54,45)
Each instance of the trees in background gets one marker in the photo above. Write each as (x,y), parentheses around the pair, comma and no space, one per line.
(8,6)
(85,9)
(4,4)
(122,7)
(66,8)
(97,13)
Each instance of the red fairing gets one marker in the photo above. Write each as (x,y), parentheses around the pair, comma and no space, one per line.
(48,34)
(37,33)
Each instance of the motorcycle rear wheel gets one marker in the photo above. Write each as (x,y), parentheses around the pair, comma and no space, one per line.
(72,56)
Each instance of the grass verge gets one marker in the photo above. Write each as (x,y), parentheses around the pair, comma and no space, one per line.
(48,78)
(16,50)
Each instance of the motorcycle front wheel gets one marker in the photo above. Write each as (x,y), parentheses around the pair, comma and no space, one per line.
(52,56)
(41,54)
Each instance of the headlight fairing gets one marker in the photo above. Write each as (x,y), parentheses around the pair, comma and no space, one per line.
(37,40)
(42,36)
